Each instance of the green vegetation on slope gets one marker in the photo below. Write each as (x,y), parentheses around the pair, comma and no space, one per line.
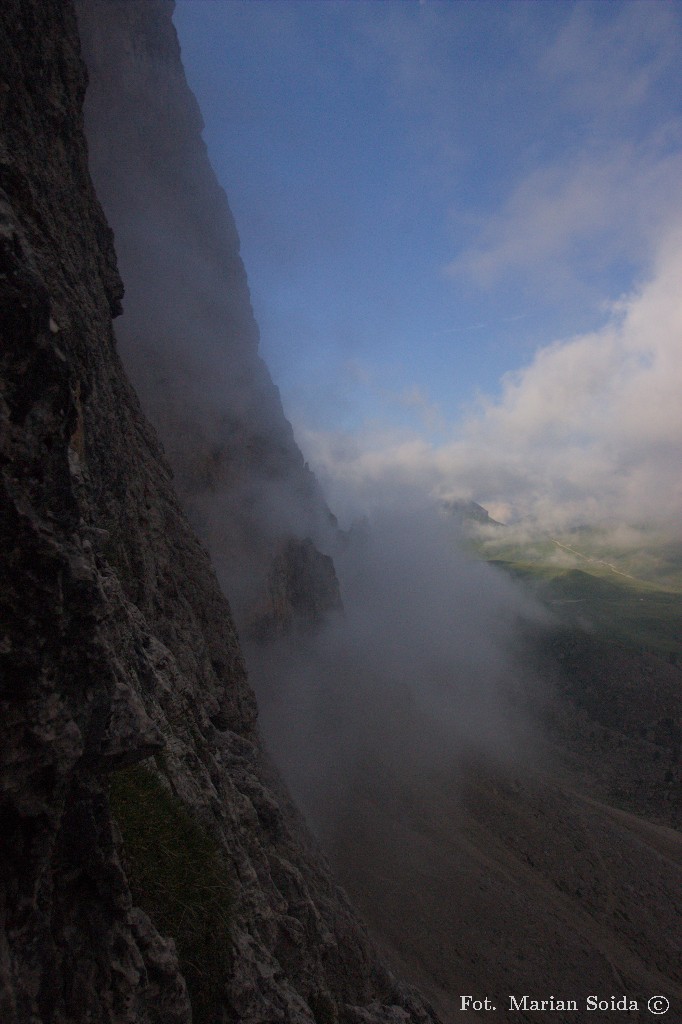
(178,875)
(627,592)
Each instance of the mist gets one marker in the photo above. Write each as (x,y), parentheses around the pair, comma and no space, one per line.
(421,671)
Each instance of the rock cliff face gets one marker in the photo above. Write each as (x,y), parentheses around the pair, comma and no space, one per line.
(117,645)
(188,335)
(301,590)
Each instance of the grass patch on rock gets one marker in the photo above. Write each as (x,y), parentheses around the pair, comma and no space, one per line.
(178,875)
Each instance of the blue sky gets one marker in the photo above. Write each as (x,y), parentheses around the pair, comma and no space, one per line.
(446,211)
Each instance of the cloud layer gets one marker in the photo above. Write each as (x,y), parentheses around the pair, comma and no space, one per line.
(590,429)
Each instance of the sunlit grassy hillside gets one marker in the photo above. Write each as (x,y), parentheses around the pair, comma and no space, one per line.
(622,585)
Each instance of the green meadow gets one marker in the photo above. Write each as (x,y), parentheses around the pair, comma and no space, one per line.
(622,586)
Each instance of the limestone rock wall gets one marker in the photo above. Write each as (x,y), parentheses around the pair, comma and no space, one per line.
(117,645)
(188,336)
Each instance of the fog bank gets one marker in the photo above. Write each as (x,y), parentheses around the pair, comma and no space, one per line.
(422,669)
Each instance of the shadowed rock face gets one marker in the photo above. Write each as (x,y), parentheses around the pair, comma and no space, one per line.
(117,645)
(301,591)
(188,335)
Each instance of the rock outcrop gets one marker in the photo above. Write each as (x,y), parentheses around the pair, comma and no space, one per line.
(122,680)
(302,590)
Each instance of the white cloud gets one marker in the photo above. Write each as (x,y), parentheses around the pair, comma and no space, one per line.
(590,189)
(608,67)
(418,402)
(590,429)
(568,221)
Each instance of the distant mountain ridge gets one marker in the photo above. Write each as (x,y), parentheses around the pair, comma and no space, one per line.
(469,512)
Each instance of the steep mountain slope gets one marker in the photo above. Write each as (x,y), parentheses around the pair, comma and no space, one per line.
(517,885)
(117,644)
(188,335)
(556,872)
